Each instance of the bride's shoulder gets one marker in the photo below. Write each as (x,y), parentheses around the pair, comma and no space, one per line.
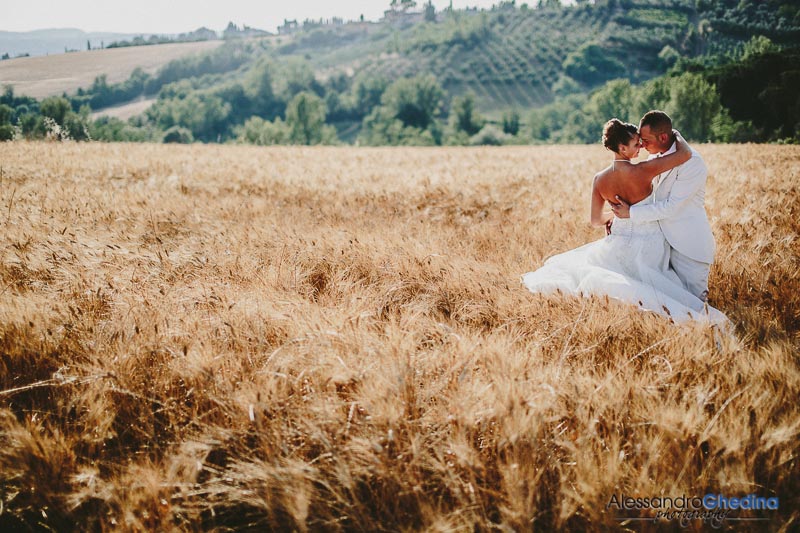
(603,173)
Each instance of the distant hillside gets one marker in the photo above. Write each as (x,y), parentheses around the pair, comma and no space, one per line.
(54,41)
(515,56)
(431,77)
(56,74)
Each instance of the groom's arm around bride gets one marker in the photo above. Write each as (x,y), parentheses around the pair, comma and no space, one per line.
(678,206)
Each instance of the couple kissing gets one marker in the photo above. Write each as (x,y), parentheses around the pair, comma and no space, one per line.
(659,247)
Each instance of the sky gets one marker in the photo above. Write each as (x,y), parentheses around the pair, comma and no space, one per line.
(178,16)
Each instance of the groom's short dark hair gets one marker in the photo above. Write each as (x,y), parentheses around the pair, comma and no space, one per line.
(658,121)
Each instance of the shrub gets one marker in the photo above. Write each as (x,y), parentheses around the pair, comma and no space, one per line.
(490,135)
(6,132)
(668,56)
(56,108)
(262,132)
(6,112)
(565,85)
(693,104)
(464,117)
(511,122)
(177,134)
(305,117)
(591,64)
(416,102)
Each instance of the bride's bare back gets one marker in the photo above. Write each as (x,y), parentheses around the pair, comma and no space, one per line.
(616,180)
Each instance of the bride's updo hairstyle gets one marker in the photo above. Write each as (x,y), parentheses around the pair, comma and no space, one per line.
(616,132)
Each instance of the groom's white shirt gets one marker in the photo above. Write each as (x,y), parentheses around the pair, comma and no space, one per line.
(679,207)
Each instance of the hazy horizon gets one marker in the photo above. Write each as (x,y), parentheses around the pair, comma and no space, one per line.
(181,16)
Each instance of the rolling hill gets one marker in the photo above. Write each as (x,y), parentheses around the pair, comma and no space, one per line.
(44,76)
(507,57)
(511,59)
(54,41)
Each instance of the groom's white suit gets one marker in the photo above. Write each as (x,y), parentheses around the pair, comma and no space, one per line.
(679,207)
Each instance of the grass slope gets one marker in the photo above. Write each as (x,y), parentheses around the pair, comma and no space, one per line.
(56,74)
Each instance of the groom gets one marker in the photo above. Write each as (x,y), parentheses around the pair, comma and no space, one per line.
(678,206)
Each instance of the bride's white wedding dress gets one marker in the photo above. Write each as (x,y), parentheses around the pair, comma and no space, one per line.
(632,265)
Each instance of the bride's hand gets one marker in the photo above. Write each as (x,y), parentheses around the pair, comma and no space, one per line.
(681,145)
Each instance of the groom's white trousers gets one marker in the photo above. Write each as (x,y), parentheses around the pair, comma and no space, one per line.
(693,274)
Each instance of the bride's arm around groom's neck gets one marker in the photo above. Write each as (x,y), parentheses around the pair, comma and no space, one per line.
(647,170)
(689,179)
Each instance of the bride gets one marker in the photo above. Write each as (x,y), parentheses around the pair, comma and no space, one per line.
(631,263)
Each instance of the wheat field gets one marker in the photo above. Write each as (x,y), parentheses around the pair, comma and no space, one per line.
(227,338)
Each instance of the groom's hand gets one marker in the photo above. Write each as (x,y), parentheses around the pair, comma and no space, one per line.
(622,209)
